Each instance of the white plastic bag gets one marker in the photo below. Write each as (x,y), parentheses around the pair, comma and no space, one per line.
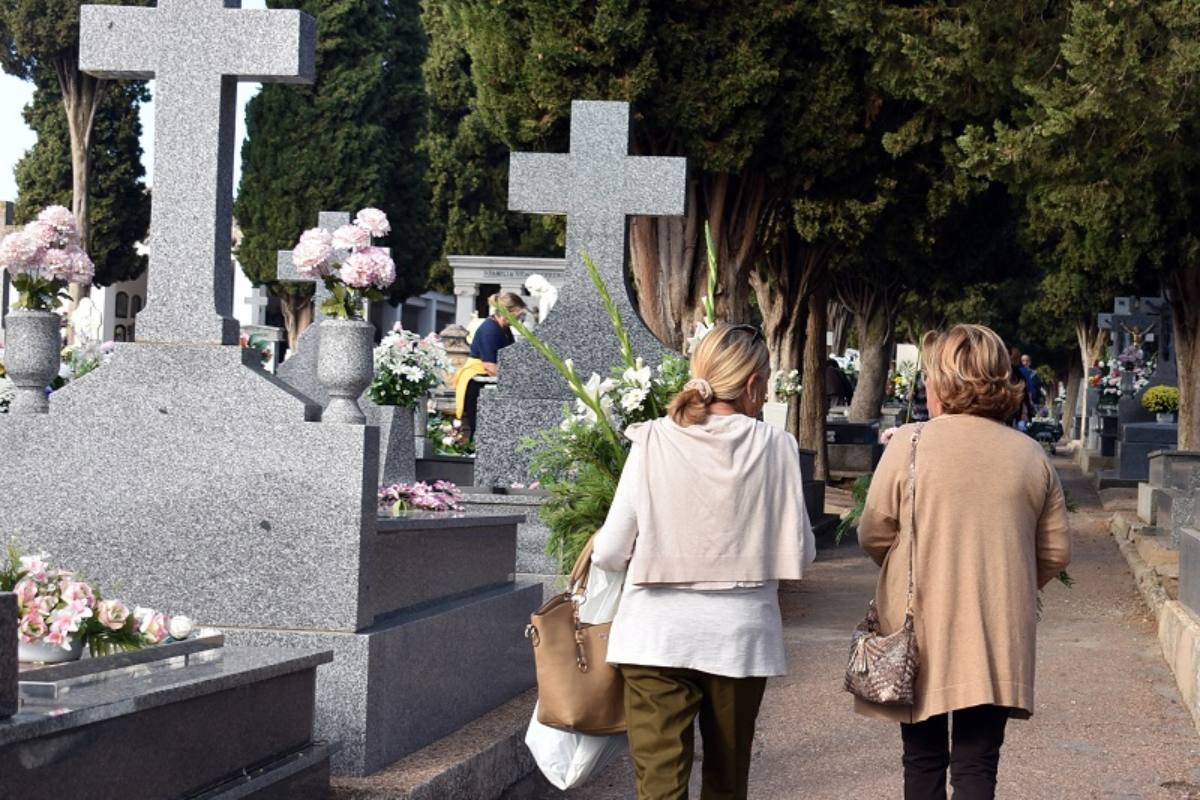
(568,759)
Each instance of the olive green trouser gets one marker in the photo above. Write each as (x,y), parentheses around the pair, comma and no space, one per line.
(661,704)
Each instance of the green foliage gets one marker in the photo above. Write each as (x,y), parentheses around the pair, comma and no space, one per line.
(858,499)
(38,294)
(1161,399)
(120,203)
(347,142)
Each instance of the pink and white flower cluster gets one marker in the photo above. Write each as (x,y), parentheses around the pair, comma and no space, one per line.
(407,367)
(441,496)
(347,254)
(48,249)
(59,608)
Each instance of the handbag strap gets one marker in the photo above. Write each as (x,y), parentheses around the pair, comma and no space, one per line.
(577,584)
(912,520)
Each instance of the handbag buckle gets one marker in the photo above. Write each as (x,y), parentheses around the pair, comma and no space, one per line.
(531,633)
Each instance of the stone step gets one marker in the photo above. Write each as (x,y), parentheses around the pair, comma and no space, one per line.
(478,762)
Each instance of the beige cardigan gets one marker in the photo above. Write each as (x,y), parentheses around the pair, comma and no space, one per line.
(720,504)
(991,530)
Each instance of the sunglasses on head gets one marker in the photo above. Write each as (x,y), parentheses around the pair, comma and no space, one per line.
(758,335)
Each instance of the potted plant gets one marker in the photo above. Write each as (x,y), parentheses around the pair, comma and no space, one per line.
(1162,401)
(60,613)
(354,271)
(407,367)
(42,260)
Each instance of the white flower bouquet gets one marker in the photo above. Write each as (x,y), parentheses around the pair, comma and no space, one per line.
(407,366)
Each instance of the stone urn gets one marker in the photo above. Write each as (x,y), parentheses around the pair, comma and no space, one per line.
(1167,418)
(345,367)
(33,350)
(41,652)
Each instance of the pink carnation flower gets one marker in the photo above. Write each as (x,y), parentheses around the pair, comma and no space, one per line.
(20,252)
(373,221)
(313,256)
(369,267)
(44,234)
(80,268)
(351,237)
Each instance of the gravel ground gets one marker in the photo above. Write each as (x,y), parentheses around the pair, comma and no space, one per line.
(1109,722)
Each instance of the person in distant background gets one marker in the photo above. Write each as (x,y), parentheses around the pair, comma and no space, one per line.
(837,386)
(1037,394)
(492,336)
(1024,413)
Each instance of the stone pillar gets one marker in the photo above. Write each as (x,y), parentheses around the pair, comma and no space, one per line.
(8,654)
(454,337)
(465,300)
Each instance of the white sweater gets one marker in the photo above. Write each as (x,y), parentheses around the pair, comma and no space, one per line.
(734,632)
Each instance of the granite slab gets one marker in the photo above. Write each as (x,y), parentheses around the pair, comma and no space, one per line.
(9,699)
(202,727)
(88,666)
(1189,569)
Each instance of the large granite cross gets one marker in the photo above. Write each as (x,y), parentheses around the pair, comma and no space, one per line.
(596,185)
(197,50)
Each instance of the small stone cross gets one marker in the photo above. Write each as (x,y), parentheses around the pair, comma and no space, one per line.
(258,301)
(197,50)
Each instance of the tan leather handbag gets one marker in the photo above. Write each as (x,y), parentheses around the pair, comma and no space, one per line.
(578,690)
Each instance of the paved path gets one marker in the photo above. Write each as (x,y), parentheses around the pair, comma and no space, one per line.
(1109,723)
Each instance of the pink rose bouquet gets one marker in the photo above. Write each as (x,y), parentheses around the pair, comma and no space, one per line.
(348,263)
(44,257)
(59,608)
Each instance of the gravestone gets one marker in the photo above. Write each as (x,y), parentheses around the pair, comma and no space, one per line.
(397,454)
(853,447)
(8,654)
(239,506)
(596,185)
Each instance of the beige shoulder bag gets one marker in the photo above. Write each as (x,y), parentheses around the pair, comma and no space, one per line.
(883,669)
(578,690)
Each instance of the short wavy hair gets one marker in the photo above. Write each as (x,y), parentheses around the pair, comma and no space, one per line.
(970,369)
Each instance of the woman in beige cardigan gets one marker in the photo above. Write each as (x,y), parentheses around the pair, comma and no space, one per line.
(991,530)
(707,519)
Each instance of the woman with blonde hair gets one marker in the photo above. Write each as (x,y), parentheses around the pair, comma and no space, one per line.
(990,531)
(708,518)
(492,336)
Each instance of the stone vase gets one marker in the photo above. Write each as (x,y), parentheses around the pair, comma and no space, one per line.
(1165,419)
(345,367)
(42,653)
(32,354)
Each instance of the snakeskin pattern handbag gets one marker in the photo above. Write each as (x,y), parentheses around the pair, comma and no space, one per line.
(883,669)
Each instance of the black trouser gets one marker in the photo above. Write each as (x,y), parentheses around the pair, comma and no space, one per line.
(972,753)
(471,406)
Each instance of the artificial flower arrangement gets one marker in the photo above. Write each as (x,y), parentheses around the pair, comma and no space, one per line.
(352,268)
(1161,399)
(44,258)
(252,341)
(1108,376)
(448,437)
(421,496)
(787,385)
(579,463)
(407,367)
(61,609)
(901,382)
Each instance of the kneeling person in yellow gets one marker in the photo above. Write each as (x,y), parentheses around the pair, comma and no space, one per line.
(490,338)
(707,519)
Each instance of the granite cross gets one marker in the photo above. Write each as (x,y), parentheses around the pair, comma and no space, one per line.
(258,302)
(197,50)
(596,185)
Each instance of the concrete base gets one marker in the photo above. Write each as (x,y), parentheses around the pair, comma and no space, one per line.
(533,563)
(398,686)
(853,460)
(1090,461)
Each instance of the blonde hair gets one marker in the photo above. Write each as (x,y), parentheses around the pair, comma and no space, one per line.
(971,370)
(510,300)
(722,364)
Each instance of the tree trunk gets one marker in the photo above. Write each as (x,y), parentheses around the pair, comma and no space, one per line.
(297,315)
(839,325)
(1183,290)
(812,399)
(669,260)
(1091,341)
(874,305)
(81,97)
(1075,375)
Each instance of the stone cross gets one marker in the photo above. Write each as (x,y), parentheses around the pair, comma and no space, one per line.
(285,270)
(258,301)
(197,50)
(596,185)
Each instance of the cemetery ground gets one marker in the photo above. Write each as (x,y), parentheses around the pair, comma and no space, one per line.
(1109,721)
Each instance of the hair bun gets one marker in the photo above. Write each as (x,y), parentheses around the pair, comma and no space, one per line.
(703,387)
